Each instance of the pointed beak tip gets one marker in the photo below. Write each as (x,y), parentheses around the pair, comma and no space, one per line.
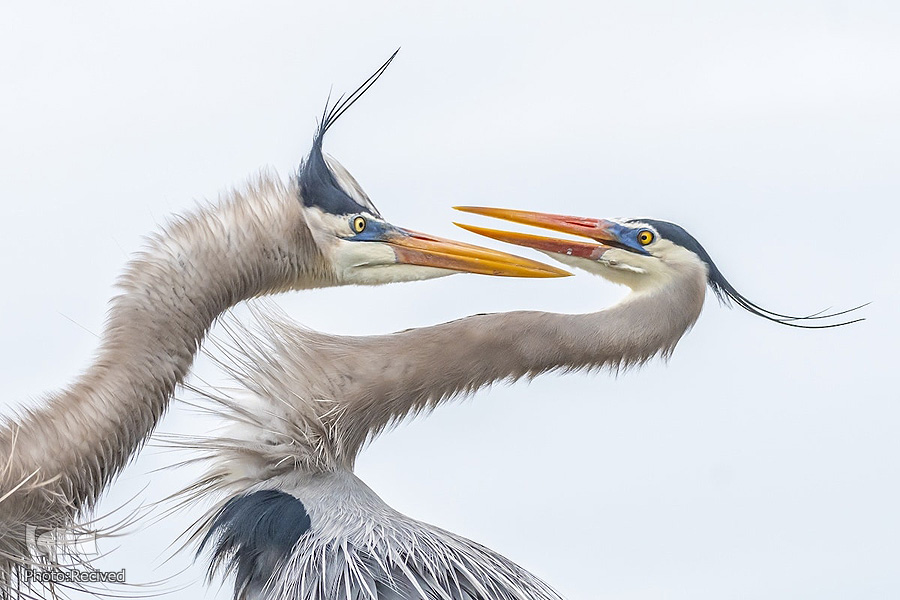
(563,273)
(477,210)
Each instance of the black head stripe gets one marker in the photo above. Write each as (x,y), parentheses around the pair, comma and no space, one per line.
(318,186)
(677,235)
(726,293)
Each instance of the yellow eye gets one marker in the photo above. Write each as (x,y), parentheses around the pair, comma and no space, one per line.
(359,224)
(645,237)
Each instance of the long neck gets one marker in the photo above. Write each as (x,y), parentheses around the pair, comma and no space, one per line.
(441,362)
(67,450)
(343,390)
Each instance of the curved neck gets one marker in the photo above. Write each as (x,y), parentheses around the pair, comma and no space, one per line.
(80,438)
(344,390)
(423,367)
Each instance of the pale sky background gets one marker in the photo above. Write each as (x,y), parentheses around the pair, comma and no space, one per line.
(760,462)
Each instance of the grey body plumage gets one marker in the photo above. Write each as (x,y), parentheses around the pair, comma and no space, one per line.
(57,458)
(293,521)
(311,401)
(358,548)
(306,403)
(252,533)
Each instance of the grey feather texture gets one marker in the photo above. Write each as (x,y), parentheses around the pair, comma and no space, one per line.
(307,402)
(251,534)
(56,459)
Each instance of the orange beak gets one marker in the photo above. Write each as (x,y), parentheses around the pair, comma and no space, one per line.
(412,247)
(600,230)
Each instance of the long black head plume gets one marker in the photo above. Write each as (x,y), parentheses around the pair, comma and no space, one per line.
(726,293)
(318,186)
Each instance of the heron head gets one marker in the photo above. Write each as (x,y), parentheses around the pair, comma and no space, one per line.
(638,253)
(643,254)
(362,247)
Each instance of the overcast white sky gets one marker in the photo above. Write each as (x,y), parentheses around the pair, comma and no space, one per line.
(760,462)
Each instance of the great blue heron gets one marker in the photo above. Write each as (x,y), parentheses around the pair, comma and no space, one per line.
(319,229)
(294,522)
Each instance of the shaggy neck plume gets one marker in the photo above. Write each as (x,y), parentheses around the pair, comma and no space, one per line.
(57,459)
(312,401)
(315,399)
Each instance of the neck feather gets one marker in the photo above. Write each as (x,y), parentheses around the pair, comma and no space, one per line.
(318,398)
(67,450)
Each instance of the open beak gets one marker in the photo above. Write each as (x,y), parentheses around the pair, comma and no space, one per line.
(414,248)
(599,230)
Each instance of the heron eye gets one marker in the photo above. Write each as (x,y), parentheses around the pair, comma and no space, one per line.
(359,224)
(645,237)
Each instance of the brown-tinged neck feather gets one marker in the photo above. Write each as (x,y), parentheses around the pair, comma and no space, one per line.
(328,394)
(68,449)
